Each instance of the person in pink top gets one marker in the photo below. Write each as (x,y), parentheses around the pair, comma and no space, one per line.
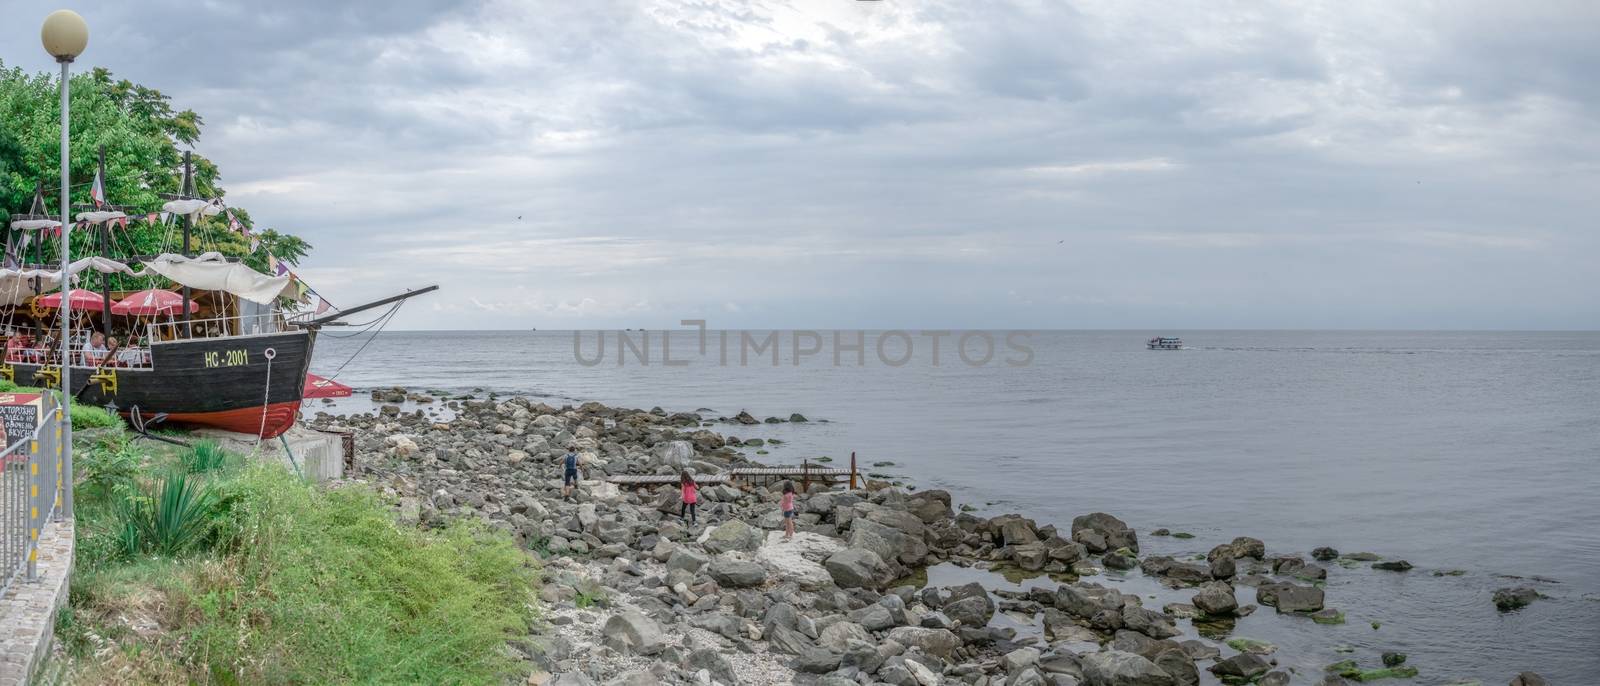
(786,503)
(691,496)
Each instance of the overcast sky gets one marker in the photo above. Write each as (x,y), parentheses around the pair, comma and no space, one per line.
(900,163)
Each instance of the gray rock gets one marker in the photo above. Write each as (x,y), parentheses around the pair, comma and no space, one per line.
(1274,679)
(856,568)
(735,573)
(1200,650)
(817,661)
(1019,659)
(1118,668)
(874,617)
(1244,666)
(1216,600)
(1324,553)
(838,636)
(938,642)
(786,640)
(685,559)
(732,535)
(632,632)
(712,661)
(1529,679)
(1245,546)
(1299,599)
(1149,622)
(1508,599)
(971,610)
(1115,532)
(1085,599)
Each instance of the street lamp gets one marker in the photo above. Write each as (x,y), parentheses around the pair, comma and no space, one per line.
(65,35)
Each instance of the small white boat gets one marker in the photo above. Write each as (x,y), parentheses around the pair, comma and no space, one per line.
(1163,343)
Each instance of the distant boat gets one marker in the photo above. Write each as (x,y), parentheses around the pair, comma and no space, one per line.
(1163,343)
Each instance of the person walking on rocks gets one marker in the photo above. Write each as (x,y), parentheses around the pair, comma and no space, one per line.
(691,497)
(786,503)
(569,480)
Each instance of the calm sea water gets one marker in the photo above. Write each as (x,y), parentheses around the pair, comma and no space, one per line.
(1467,451)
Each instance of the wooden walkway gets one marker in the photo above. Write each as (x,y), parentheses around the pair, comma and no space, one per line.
(806,473)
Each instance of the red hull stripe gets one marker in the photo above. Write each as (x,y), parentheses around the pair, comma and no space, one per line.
(279,417)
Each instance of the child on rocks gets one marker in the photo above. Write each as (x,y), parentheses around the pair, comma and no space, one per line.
(691,497)
(786,503)
(569,476)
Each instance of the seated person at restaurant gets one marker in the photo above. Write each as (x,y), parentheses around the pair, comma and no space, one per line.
(95,352)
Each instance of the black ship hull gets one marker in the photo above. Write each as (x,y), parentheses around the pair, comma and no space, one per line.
(248,384)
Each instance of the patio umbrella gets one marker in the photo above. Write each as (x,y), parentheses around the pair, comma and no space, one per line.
(152,302)
(323,387)
(81,300)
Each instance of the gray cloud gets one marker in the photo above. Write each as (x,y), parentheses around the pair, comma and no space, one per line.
(901,163)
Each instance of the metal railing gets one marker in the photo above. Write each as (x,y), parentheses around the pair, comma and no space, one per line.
(215,327)
(31,346)
(32,479)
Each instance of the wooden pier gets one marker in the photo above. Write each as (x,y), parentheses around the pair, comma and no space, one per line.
(806,474)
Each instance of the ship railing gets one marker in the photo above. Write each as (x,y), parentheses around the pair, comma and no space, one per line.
(25,345)
(32,478)
(215,327)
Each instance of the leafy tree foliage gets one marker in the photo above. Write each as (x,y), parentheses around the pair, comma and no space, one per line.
(142,135)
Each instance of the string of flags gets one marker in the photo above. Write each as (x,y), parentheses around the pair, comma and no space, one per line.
(303,292)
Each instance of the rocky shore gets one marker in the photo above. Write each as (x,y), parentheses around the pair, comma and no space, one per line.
(632,595)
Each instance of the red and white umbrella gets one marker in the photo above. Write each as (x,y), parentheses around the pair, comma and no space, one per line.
(80,300)
(323,387)
(152,302)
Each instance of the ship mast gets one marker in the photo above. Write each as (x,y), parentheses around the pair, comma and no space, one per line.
(105,251)
(186,192)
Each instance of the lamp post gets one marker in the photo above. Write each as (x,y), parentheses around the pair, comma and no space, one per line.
(65,35)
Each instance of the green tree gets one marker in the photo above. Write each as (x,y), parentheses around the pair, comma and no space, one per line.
(142,135)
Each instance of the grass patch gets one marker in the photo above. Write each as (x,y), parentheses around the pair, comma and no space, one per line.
(215,573)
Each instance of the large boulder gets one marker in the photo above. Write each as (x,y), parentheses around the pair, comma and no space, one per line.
(1241,667)
(938,642)
(888,541)
(675,454)
(970,605)
(930,506)
(1216,600)
(838,636)
(797,559)
(1086,600)
(732,535)
(1149,622)
(856,568)
(1289,597)
(734,572)
(1115,532)
(1118,668)
(632,632)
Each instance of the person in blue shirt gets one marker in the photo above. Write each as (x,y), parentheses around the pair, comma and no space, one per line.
(569,479)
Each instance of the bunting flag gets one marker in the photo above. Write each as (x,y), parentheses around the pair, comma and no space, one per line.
(235,226)
(152,217)
(164,217)
(322,304)
(97,192)
(255,243)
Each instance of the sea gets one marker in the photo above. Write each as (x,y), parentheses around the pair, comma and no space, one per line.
(1475,456)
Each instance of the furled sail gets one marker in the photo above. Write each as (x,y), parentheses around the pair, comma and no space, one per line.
(204,208)
(17,285)
(100,217)
(212,272)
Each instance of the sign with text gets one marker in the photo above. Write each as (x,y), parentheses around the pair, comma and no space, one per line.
(20,414)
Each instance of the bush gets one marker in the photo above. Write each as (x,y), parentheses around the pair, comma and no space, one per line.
(174,516)
(91,417)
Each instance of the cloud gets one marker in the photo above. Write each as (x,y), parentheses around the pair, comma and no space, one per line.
(882,164)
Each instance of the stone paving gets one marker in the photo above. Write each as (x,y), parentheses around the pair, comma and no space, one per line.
(28,610)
